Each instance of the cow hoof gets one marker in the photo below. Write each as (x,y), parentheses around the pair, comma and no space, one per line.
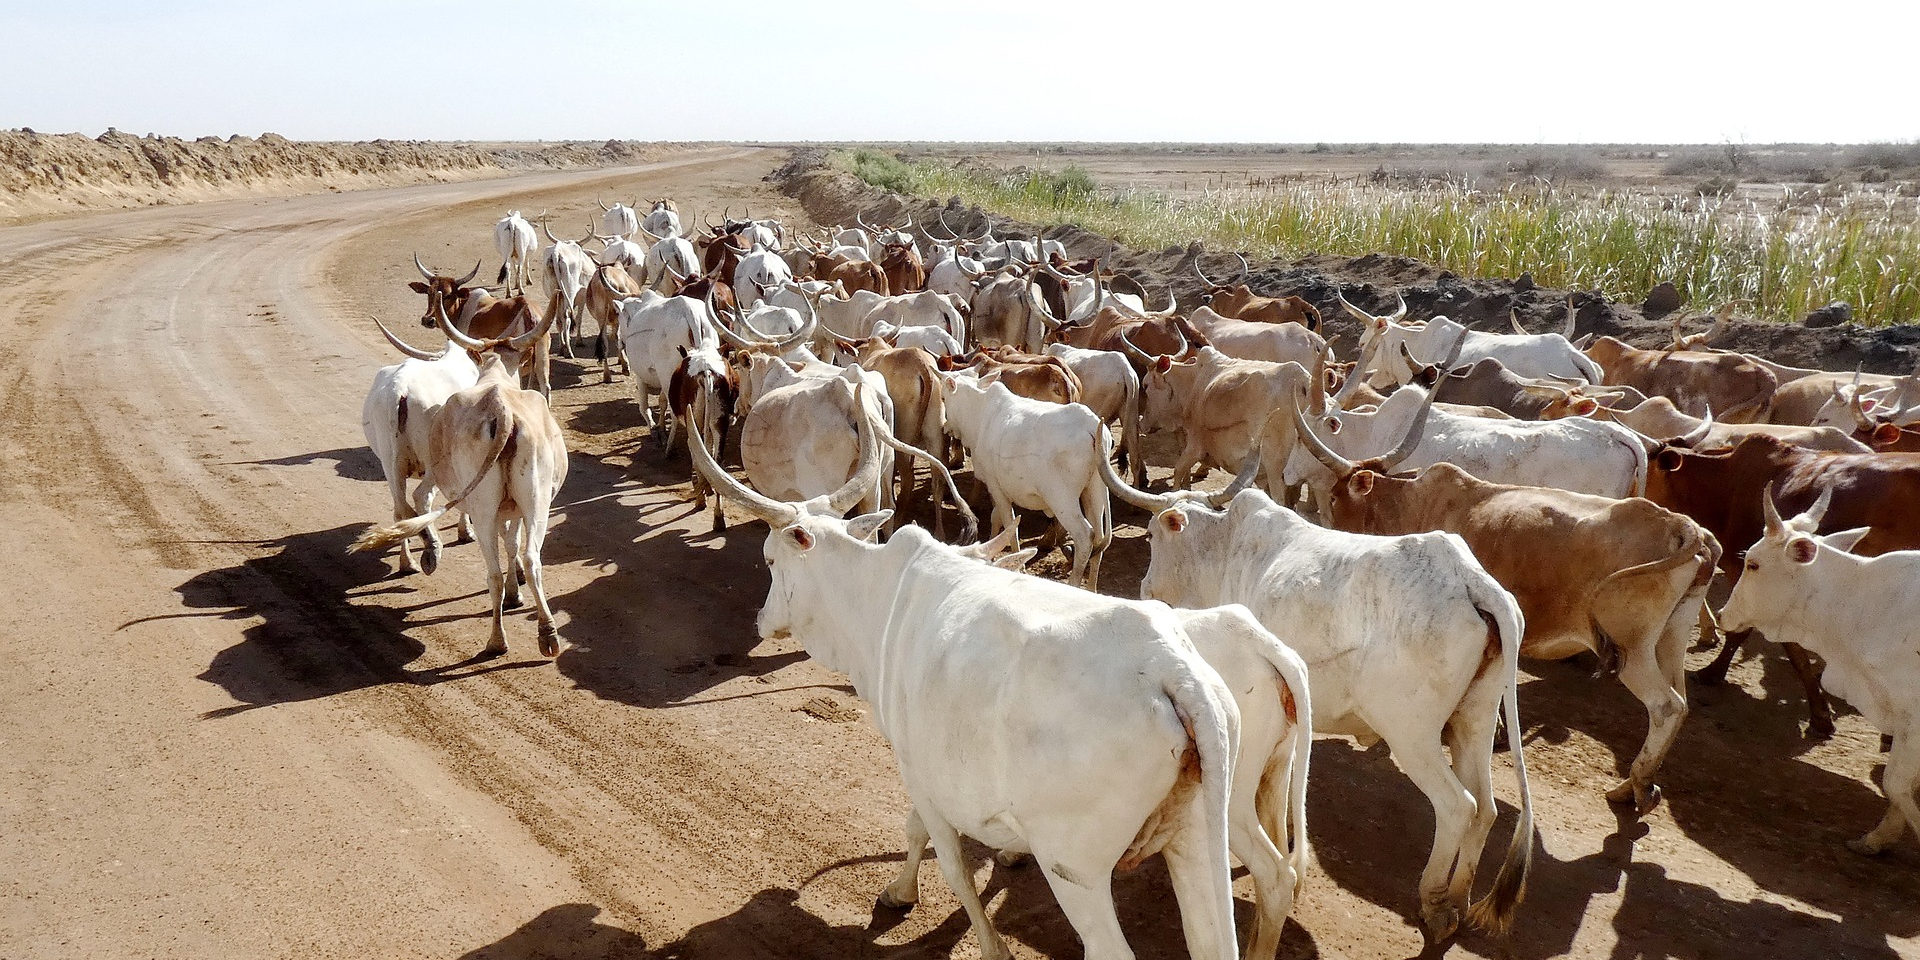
(1707,676)
(1441,921)
(886,902)
(490,652)
(1820,729)
(549,641)
(429,562)
(1865,847)
(511,601)
(1643,797)
(1012,858)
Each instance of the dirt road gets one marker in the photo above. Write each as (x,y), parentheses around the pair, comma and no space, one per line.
(221,736)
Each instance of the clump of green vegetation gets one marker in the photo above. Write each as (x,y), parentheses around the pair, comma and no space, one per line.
(1788,255)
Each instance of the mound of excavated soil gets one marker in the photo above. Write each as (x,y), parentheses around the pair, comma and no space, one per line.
(1370,282)
(44,174)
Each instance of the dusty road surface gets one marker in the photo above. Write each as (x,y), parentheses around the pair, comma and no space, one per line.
(221,736)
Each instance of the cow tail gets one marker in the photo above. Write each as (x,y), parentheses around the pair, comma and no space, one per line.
(505,431)
(1214,734)
(503,273)
(1296,695)
(1494,913)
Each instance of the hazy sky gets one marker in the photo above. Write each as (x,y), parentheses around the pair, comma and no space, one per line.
(1430,71)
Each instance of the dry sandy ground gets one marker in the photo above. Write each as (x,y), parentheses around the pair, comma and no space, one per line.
(221,736)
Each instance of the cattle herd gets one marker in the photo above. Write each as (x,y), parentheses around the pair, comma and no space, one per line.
(1399,530)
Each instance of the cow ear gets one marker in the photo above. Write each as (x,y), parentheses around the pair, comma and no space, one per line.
(867,525)
(801,537)
(1585,407)
(1846,540)
(418,287)
(1362,482)
(1174,519)
(1017,560)
(1868,403)
(1332,424)
(1886,433)
(683,351)
(1669,460)
(1162,364)
(953,384)
(1802,549)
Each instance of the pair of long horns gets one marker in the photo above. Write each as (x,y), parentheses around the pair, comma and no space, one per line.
(430,275)
(1396,316)
(779,513)
(1806,522)
(519,344)
(1156,502)
(1340,465)
(1246,271)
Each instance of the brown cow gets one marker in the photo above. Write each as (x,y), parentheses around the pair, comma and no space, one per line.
(1235,300)
(1722,490)
(1623,578)
(1111,329)
(610,284)
(905,271)
(919,409)
(853,275)
(1734,387)
(481,316)
(1034,376)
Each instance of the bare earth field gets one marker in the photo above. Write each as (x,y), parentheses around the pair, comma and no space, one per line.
(221,736)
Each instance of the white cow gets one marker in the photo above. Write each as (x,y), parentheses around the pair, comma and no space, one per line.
(1539,355)
(1399,650)
(1254,340)
(395,417)
(1082,729)
(922,309)
(502,449)
(933,340)
(513,237)
(1575,453)
(1857,613)
(663,220)
(654,329)
(619,220)
(629,256)
(1109,387)
(669,260)
(567,267)
(758,269)
(1037,456)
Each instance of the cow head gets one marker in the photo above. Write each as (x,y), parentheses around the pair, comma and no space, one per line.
(444,293)
(1777,585)
(518,353)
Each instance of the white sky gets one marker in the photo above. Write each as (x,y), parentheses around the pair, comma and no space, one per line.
(1504,71)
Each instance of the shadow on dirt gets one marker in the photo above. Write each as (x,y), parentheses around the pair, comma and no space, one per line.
(312,641)
(353,463)
(566,932)
(773,923)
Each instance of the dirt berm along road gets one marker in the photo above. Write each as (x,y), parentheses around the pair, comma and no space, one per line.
(222,736)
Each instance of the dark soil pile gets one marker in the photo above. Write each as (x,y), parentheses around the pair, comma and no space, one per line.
(1371,282)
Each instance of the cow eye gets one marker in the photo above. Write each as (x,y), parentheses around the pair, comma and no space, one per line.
(1753,564)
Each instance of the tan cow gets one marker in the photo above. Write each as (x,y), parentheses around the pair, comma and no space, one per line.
(1730,384)
(481,316)
(610,285)
(1623,578)
(1236,300)
(1657,417)
(501,448)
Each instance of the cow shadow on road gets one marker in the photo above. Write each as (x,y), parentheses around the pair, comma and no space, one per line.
(1658,916)
(312,641)
(775,923)
(570,931)
(352,463)
(1738,783)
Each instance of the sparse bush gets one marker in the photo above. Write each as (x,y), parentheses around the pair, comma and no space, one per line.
(1719,186)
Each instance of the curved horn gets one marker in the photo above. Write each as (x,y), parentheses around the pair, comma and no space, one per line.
(866,473)
(1721,318)
(952,234)
(1249,469)
(862,221)
(774,512)
(1340,465)
(548,231)
(1207,280)
(405,347)
(1693,438)
(462,340)
(603,207)
(1400,313)
(1353,311)
(591,233)
(1133,350)
(986,229)
(1411,440)
(656,238)
(960,264)
(1809,521)
(1459,342)
(1775,528)
(972,530)
(470,275)
(1572,315)
(531,337)
(1150,502)
(1246,269)
(423,267)
(1513,318)
(1171,304)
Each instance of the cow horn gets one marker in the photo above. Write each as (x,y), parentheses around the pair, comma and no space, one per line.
(1210,282)
(1353,311)
(1400,312)
(1776,529)
(1167,311)
(1513,317)
(1412,439)
(952,234)
(405,347)
(1317,385)
(774,512)
(1150,502)
(1809,520)
(656,238)
(531,337)
(603,207)
(1693,438)
(862,221)
(1340,465)
(423,267)
(462,340)
(1721,318)
(986,229)
(866,473)
(1249,469)
(972,522)
(1133,350)
(1246,269)
(548,231)
(470,275)
(960,264)
(1573,314)
(1859,410)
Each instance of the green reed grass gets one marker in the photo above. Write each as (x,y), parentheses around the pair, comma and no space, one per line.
(1789,254)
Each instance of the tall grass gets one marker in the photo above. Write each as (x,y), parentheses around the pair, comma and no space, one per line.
(1788,255)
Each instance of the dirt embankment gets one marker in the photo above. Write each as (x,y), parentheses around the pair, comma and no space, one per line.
(49,174)
(1370,282)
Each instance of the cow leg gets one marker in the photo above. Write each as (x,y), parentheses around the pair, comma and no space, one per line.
(1081,532)
(1470,740)
(1183,468)
(904,891)
(1666,703)
(1454,808)
(953,866)
(515,575)
(402,510)
(1252,835)
(1899,781)
(533,534)
(423,497)
(1203,886)
(1715,673)
(1098,510)
(1809,669)
(496,585)
(641,395)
